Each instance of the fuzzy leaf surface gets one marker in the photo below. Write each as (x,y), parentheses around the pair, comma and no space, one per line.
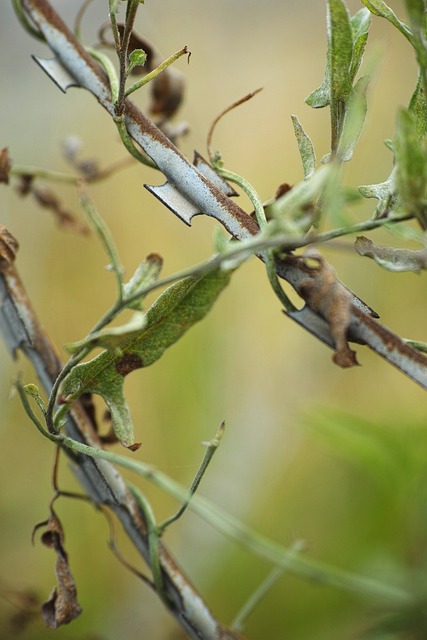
(176,310)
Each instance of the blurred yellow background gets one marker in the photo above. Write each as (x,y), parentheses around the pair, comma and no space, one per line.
(278,467)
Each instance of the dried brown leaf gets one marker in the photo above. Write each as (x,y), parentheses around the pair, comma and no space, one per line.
(62,606)
(65,219)
(167,92)
(325,295)
(8,248)
(391,258)
(5,165)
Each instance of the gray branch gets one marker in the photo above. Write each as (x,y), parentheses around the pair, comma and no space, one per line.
(101,480)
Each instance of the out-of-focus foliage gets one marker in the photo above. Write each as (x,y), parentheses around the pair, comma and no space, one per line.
(349,479)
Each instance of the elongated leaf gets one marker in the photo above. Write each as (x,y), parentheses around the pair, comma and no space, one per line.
(390,258)
(418,106)
(174,312)
(354,120)
(360,23)
(305,146)
(411,167)
(336,85)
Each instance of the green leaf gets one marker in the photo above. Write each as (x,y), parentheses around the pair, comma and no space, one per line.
(145,274)
(168,319)
(411,167)
(360,23)
(305,146)
(346,44)
(384,193)
(336,84)
(380,8)
(110,338)
(354,120)
(418,106)
(137,58)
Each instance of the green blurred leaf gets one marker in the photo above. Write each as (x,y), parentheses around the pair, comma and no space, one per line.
(145,274)
(174,312)
(360,23)
(411,167)
(418,106)
(354,120)
(110,338)
(392,455)
(305,146)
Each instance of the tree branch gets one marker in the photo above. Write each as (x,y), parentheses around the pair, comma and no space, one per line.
(103,483)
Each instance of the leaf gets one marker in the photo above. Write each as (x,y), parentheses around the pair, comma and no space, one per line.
(5,165)
(110,338)
(391,258)
(305,146)
(346,43)
(325,295)
(145,274)
(354,120)
(418,106)
(411,167)
(137,58)
(168,319)
(360,23)
(384,193)
(62,606)
(381,9)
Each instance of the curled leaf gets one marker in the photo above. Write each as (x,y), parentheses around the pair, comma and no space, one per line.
(62,606)
(325,295)
(391,258)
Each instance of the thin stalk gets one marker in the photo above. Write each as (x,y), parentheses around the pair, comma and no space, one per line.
(153,74)
(307,568)
(212,446)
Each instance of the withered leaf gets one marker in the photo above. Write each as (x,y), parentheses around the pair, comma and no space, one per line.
(5,165)
(62,606)
(167,92)
(65,219)
(326,296)
(8,248)
(391,258)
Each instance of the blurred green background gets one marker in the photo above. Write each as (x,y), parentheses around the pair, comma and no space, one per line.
(336,458)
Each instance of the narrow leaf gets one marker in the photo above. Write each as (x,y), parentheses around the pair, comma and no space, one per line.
(411,167)
(305,146)
(360,23)
(354,120)
(168,319)
(145,274)
(418,106)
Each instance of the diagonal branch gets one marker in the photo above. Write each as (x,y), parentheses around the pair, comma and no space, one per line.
(103,483)
(190,191)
